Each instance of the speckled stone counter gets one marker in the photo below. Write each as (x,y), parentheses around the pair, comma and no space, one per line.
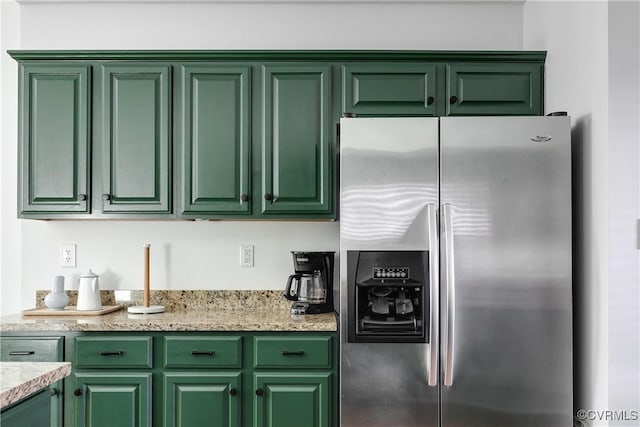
(191,310)
(21,379)
(177,320)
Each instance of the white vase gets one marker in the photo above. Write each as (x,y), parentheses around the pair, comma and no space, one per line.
(57,299)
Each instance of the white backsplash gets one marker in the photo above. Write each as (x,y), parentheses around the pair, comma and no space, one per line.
(184,254)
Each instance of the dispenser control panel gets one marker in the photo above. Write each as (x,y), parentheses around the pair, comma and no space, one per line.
(390,272)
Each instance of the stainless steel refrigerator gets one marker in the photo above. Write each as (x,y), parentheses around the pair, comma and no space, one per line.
(455,272)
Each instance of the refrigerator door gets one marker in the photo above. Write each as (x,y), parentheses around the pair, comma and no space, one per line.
(506,272)
(389,192)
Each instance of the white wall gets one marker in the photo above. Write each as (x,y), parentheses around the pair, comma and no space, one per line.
(187,255)
(624,206)
(593,71)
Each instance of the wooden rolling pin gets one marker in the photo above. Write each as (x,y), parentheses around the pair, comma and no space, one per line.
(145,297)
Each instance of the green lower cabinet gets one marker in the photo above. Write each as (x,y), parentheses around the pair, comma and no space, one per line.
(38,349)
(292,399)
(113,399)
(33,411)
(201,399)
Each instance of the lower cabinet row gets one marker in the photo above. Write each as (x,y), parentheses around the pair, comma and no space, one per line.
(188,380)
(197,399)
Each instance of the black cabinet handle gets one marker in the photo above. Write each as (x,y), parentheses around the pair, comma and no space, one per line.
(233,392)
(82,197)
(259,392)
(53,391)
(244,197)
(77,392)
(22,353)
(111,353)
(268,197)
(202,353)
(430,100)
(293,353)
(453,100)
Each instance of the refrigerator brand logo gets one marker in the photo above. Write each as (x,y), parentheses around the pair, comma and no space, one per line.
(541,138)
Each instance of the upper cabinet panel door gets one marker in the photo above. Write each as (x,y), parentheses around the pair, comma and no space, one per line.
(54,138)
(215,132)
(389,89)
(136,138)
(296,125)
(486,89)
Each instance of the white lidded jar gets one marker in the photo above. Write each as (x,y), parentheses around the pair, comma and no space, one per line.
(57,299)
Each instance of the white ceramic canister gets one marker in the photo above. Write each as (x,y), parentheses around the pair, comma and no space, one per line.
(57,299)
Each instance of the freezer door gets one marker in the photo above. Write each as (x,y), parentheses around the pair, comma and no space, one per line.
(506,272)
(389,190)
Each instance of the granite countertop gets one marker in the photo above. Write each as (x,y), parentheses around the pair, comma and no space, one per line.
(21,379)
(194,310)
(196,319)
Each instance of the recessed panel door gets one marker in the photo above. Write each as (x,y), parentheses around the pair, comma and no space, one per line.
(297,135)
(54,133)
(136,138)
(215,134)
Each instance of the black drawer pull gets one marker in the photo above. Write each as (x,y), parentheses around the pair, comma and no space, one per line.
(233,392)
(202,353)
(430,100)
(111,353)
(77,392)
(259,392)
(293,353)
(53,391)
(453,100)
(22,353)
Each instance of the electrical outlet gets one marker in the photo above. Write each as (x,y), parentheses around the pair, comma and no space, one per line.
(246,255)
(68,256)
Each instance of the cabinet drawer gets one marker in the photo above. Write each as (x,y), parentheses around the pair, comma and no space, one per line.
(115,352)
(31,349)
(292,352)
(198,352)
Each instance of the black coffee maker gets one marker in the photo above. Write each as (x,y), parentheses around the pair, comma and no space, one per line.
(311,287)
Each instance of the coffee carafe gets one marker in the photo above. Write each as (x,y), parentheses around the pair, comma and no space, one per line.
(311,287)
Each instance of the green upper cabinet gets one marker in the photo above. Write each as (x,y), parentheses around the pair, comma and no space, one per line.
(296,139)
(214,127)
(389,89)
(54,146)
(136,138)
(494,89)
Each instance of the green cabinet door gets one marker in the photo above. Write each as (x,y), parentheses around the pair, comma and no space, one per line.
(492,89)
(136,138)
(295,399)
(215,136)
(296,139)
(30,412)
(38,349)
(113,399)
(201,399)
(54,138)
(389,89)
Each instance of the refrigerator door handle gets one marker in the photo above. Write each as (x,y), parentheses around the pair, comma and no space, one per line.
(434,285)
(449,332)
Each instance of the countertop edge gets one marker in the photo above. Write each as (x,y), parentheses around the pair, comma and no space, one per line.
(20,391)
